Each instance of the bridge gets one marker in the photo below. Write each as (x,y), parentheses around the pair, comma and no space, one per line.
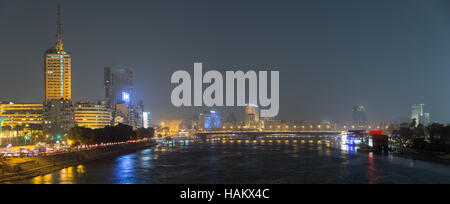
(254,134)
(250,132)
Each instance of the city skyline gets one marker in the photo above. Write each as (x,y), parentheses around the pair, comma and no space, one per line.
(324,100)
(256,92)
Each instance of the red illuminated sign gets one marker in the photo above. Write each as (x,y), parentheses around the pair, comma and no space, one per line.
(376,132)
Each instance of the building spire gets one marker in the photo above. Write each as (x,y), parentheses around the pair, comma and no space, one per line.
(59,35)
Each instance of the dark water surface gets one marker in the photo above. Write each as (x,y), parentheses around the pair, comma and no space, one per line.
(216,162)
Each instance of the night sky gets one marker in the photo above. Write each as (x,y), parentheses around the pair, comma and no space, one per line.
(332,55)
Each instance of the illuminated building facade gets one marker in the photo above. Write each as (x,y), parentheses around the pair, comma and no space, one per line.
(425,119)
(58,106)
(137,115)
(271,123)
(119,93)
(209,121)
(359,117)
(418,114)
(118,86)
(169,127)
(57,63)
(21,119)
(91,116)
(146,117)
(251,116)
(58,118)
(119,97)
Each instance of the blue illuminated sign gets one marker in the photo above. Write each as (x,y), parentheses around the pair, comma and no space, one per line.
(125,97)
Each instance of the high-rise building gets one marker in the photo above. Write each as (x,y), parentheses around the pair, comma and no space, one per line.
(92,116)
(417,113)
(57,63)
(251,116)
(58,106)
(209,121)
(118,86)
(137,115)
(119,94)
(426,119)
(359,117)
(146,117)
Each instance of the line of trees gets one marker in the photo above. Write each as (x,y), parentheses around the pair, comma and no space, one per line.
(109,134)
(435,137)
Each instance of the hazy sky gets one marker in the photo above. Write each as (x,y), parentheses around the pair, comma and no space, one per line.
(385,54)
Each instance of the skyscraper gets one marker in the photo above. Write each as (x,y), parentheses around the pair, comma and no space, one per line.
(209,121)
(146,117)
(425,119)
(359,116)
(58,107)
(119,97)
(57,63)
(251,115)
(118,86)
(417,113)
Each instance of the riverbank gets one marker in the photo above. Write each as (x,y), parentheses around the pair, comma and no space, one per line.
(425,156)
(23,168)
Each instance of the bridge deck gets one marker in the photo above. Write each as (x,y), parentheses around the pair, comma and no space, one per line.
(266,132)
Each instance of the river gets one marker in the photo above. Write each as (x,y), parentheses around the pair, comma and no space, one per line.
(244,162)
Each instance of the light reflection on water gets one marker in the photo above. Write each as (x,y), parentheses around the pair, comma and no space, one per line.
(317,160)
(64,176)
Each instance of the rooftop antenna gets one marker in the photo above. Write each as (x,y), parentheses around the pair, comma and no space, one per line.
(59,35)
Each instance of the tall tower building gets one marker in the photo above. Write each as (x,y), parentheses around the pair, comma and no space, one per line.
(251,116)
(119,94)
(57,63)
(118,86)
(58,107)
(359,116)
(417,113)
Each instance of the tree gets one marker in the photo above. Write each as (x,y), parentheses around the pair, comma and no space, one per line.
(142,133)
(435,131)
(403,137)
